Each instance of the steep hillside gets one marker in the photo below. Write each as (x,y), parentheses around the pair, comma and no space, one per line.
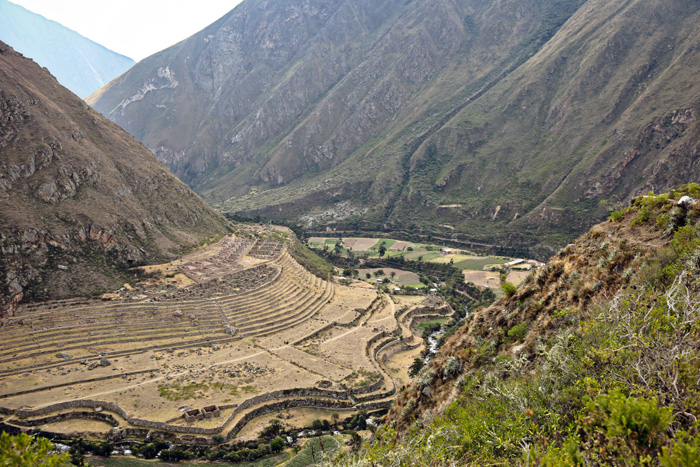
(509,122)
(78,63)
(590,362)
(80,199)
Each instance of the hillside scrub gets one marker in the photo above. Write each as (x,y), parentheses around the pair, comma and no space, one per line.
(608,381)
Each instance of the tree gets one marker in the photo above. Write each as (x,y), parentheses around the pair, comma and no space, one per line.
(24,450)
(392,274)
(378,273)
(103,449)
(368,275)
(272,430)
(218,439)
(382,250)
(277,444)
(415,367)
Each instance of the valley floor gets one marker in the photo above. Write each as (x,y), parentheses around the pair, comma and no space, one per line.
(240,329)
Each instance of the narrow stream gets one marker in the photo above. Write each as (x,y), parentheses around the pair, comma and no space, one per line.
(432,345)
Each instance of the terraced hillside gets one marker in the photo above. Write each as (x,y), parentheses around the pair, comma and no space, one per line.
(227,334)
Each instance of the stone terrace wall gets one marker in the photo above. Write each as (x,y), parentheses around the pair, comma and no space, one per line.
(333,400)
(427,310)
(81,403)
(102,417)
(399,348)
(287,404)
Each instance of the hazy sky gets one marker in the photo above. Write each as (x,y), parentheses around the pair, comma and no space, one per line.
(135,28)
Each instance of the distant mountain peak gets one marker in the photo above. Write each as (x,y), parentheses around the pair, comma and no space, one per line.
(80,64)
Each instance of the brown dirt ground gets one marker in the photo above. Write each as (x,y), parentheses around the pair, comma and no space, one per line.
(360,244)
(399,363)
(516,277)
(483,278)
(400,245)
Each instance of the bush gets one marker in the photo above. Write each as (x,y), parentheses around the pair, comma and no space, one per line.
(616,216)
(218,439)
(518,332)
(25,450)
(509,289)
(685,451)
(620,428)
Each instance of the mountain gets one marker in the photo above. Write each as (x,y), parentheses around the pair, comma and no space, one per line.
(590,361)
(81,201)
(493,122)
(81,65)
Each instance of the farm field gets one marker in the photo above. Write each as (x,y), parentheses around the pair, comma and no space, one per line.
(219,338)
(477,269)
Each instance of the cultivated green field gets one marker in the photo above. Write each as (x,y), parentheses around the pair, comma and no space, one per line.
(414,251)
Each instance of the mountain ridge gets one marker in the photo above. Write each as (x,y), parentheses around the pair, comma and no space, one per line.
(79,63)
(481,116)
(81,201)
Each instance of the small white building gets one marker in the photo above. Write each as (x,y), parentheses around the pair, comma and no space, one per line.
(446,251)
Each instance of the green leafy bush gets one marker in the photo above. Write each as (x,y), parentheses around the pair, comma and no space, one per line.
(518,332)
(509,289)
(616,216)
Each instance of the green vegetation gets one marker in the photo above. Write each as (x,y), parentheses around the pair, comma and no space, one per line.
(307,258)
(518,332)
(268,461)
(22,450)
(509,289)
(315,451)
(614,384)
(432,325)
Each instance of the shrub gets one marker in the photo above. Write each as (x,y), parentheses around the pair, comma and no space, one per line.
(509,289)
(518,332)
(684,452)
(25,450)
(622,428)
(616,216)
(642,216)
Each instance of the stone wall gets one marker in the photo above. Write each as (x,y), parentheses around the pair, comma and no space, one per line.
(399,348)
(441,311)
(102,417)
(81,403)
(89,380)
(375,405)
(284,405)
(381,395)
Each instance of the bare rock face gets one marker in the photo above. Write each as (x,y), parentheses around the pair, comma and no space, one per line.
(80,200)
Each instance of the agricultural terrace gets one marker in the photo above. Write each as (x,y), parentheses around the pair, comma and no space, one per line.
(209,343)
(482,271)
